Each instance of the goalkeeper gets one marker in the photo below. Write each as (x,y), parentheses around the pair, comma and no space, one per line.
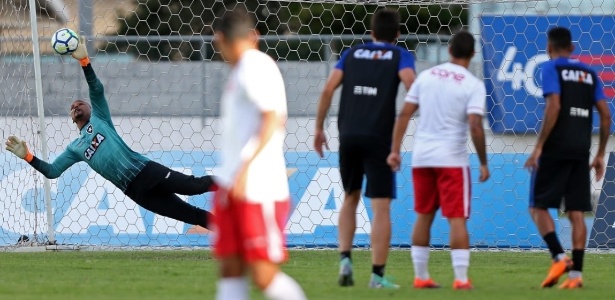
(148,183)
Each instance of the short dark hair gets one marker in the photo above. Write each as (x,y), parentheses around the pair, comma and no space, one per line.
(385,25)
(236,23)
(462,45)
(560,38)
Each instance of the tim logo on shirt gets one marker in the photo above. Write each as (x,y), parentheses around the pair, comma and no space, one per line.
(91,150)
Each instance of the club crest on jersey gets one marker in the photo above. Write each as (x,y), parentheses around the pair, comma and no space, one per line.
(91,150)
(90,129)
(578,76)
(373,54)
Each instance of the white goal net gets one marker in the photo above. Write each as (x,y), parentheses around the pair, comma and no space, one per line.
(163,80)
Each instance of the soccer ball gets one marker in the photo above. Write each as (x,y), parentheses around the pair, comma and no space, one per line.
(64,41)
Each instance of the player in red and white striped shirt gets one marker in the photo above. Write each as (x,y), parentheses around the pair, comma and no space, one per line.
(451,101)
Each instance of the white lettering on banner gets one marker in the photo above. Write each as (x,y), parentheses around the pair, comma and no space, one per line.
(166,225)
(311,212)
(517,74)
(123,214)
(14,217)
(373,54)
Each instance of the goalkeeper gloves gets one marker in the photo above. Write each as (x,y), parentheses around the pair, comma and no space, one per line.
(19,148)
(81,53)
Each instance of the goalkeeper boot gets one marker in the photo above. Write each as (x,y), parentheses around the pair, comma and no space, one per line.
(345,275)
(379,282)
(425,284)
(558,268)
(462,285)
(572,283)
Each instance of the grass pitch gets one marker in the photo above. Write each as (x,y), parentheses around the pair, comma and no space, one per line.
(192,275)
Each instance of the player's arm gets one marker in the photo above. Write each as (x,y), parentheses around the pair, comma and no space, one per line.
(605,128)
(51,171)
(324,103)
(407,72)
(399,131)
(477,133)
(100,107)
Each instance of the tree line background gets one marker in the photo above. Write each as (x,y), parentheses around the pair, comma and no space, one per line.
(188,17)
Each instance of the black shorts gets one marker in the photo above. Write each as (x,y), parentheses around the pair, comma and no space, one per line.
(366,156)
(558,180)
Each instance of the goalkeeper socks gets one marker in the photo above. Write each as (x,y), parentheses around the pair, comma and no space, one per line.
(420,259)
(461,263)
(236,288)
(345,254)
(283,287)
(577,259)
(554,246)
(378,270)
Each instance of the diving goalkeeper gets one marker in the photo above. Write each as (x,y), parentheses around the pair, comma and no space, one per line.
(149,184)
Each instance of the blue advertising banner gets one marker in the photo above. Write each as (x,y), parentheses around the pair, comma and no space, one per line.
(513,48)
(89,210)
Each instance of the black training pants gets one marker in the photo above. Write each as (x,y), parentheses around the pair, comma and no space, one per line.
(155,189)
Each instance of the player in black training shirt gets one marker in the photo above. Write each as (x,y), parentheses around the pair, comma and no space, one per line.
(370,75)
(559,162)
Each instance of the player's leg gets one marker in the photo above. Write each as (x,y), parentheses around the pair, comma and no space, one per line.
(262,230)
(381,188)
(351,171)
(577,202)
(426,203)
(454,185)
(233,283)
(180,183)
(170,205)
(547,187)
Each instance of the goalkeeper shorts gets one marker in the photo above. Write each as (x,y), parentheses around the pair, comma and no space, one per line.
(445,188)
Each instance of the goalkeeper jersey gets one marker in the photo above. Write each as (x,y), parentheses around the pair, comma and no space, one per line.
(98,144)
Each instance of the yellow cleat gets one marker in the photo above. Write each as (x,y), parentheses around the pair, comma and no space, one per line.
(572,283)
(558,268)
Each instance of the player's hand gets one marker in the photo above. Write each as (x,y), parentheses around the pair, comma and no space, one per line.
(599,166)
(484,173)
(17,146)
(320,139)
(82,51)
(238,191)
(532,161)
(394,161)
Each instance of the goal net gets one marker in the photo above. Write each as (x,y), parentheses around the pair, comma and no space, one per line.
(163,80)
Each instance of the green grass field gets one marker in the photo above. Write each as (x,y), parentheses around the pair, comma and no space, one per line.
(192,275)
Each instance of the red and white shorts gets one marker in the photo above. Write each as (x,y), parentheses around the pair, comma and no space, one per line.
(251,230)
(446,188)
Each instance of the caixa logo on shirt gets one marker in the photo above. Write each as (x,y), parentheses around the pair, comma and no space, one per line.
(96,141)
(373,54)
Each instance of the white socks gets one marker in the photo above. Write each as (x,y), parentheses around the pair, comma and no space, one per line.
(461,262)
(420,259)
(283,287)
(234,288)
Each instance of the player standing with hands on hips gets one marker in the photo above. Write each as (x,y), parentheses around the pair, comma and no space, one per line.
(559,162)
(450,100)
(150,184)
(253,202)
(370,75)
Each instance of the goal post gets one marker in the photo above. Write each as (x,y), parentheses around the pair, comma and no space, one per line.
(163,80)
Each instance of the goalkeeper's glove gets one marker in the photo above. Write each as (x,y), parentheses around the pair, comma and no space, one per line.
(81,53)
(19,148)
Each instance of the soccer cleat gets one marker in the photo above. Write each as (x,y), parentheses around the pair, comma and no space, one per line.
(377,282)
(461,285)
(345,276)
(572,283)
(425,284)
(558,268)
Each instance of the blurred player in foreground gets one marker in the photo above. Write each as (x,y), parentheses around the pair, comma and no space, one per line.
(370,75)
(450,100)
(559,162)
(149,184)
(253,202)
